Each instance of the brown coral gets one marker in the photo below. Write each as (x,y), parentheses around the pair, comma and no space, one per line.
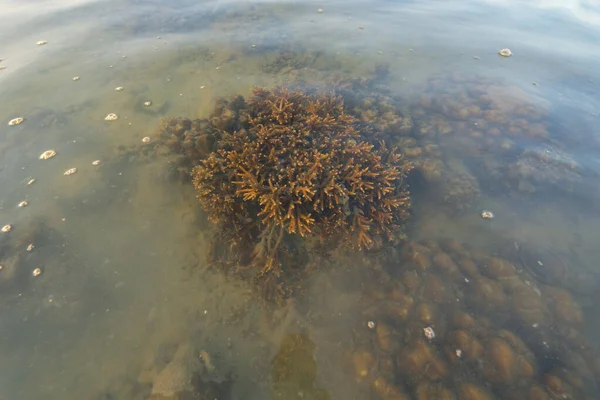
(299,165)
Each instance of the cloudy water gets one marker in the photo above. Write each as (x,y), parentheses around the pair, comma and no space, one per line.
(115,285)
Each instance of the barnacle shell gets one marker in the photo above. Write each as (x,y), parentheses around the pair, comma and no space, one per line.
(15,121)
(47,154)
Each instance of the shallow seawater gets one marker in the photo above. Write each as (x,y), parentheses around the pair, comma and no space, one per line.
(127,305)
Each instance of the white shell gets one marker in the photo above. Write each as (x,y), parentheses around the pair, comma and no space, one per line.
(485,214)
(70,171)
(31,181)
(30,247)
(6,228)
(75,78)
(429,333)
(46,155)
(146,139)
(24,203)
(96,163)
(147,103)
(15,121)
(36,272)
(119,88)
(505,53)
(41,42)
(111,117)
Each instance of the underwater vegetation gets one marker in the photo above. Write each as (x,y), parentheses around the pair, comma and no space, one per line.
(499,333)
(288,174)
(288,165)
(302,166)
(503,135)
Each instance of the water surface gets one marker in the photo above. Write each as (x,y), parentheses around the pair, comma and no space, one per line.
(121,246)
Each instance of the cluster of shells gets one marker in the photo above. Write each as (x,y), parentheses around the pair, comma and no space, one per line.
(17,256)
(462,324)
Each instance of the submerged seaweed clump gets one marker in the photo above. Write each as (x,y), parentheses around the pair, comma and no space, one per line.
(298,164)
(289,174)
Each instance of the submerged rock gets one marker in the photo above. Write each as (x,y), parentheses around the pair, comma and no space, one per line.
(544,165)
(177,376)
(294,370)
(183,378)
(458,187)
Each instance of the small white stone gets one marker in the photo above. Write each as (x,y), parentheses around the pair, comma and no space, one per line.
(6,228)
(146,139)
(70,171)
(22,204)
(371,324)
(111,117)
(15,121)
(96,163)
(47,154)
(147,103)
(429,333)
(458,353)
(31,181)
(485,214)
(505,53)
(41,42)
(75,78)
(320,10)
(202,87)
(119,88)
